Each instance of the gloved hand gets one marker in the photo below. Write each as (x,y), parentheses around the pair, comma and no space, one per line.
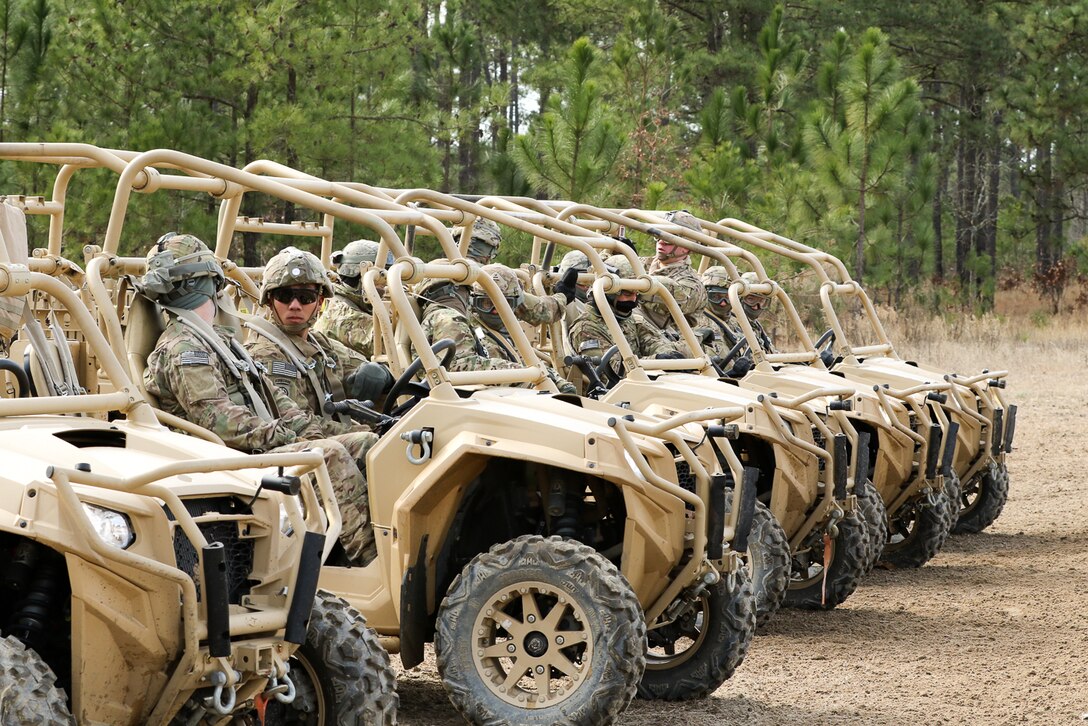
(705,335)
(740,367)
(567,285)
(368,382)
(671,355)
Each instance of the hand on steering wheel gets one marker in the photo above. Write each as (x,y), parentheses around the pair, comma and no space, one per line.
(419,390)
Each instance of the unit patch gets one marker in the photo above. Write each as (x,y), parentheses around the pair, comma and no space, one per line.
(194,358)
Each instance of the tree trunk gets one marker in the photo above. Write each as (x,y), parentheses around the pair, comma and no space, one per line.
(250,254)
(993,190)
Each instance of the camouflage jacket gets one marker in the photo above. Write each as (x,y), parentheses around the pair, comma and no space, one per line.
(348,320)
(472,352)
(727,332)
(190,380)
(589,336)
(541,310)
(681,280)
(330,361)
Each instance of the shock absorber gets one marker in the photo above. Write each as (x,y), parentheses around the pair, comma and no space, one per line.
(31,620)
(567,524)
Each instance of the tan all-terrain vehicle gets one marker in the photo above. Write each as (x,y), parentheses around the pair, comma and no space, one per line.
(976,402)
(796,443)
(151,577)
(476,496)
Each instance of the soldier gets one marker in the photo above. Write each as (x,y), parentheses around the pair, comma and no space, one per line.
(490,330)
(483,247)
(348,316)
(307,366)
(718,318)
(579,263)
(446,315)
(590,336)
(670,265)
(199,371)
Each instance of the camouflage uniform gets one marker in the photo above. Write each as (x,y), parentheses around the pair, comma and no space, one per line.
(720,317)
(471,352)
(330,360)
(590,336)
(348,319)
(681,280)
(192,379)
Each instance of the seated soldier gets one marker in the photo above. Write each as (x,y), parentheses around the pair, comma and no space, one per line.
(200,372)
(671,266)
(719,314)
(491,332)
(484,246)
(307,366)
(348,316)
(446,315)
(590,337)
(577,261)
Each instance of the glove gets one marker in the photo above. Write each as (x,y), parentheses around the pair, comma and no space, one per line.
(567,285)
(368,382)
(705,335)
(740,367)
(671,355)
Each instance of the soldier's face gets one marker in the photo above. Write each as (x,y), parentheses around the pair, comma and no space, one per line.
(296,305)
(668,250)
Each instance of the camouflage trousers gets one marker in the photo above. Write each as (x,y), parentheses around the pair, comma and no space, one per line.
(345,458)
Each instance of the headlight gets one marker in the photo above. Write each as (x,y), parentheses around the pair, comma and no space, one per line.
(112,527)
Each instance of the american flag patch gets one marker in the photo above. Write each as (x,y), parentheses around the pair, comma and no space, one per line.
(283,368)
(194,358)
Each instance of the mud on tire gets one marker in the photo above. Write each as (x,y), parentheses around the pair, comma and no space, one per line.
(716,635)
(982,499)
(819,587)
(28,691)
(341,673)
(953,491)
(917,531)
(873,513)
(537,618)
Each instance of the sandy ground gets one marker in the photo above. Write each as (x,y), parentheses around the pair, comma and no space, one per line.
(994,630)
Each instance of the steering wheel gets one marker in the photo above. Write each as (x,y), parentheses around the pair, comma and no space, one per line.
(404,383)
(721,363)
(826,340)
(604,368)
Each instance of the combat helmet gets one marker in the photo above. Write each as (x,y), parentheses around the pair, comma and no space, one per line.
(349,260)
(716,280)
(577,260)
(510,288)
(181,272)
(621,267)
(754,303)
(293,267)
(484,243)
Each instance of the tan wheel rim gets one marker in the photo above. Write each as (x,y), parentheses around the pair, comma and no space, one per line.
(660,657)
(531,645)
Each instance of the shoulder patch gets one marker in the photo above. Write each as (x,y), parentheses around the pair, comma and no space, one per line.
(589,345)
(283,368)
(194,358)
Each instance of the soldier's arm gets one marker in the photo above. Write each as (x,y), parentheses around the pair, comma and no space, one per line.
(689,291)
(544,311)
(652,342)
(201,392)
(588,341)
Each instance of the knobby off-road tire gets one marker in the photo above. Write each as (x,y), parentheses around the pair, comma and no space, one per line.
(917,531)
(540,631)
(982,499)
(810,589)
(875,515)
(341,673)
(953,491)
(707,644)
(28,691)
(767,560)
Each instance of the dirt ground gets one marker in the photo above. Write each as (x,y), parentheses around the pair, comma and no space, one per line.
(994,630)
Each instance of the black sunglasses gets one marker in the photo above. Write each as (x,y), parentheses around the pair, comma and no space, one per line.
(286,294)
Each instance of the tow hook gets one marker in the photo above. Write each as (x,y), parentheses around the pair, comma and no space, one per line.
(931,498)
(421,438)
(835,516)
(216,700)
(282,689)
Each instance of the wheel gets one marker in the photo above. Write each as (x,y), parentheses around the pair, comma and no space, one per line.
(917,531)
(341,673)
(982,500)
(952,490)
(690,657)
(404,381)
(827,571)
(768,561)
(872,511)
(540,631)
(29,693)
